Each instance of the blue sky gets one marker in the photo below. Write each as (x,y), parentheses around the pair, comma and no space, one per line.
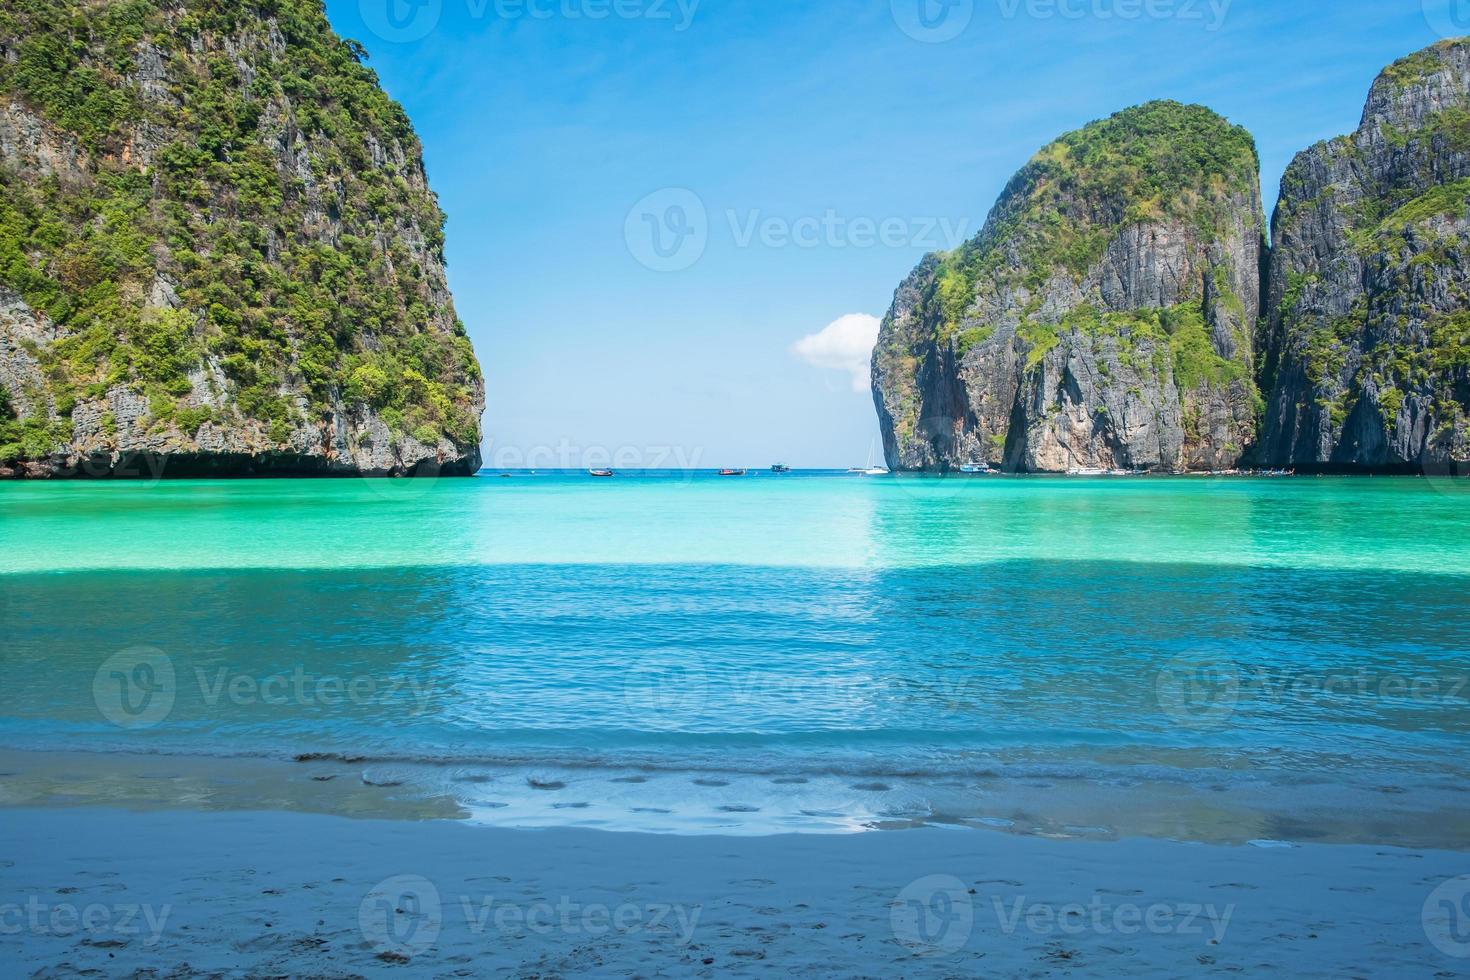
(795,161)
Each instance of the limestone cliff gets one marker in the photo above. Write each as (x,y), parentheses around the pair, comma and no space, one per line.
(1103,317)
(1367,341)
(217,247)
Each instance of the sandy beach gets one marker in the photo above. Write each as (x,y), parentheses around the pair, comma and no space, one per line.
(95,891)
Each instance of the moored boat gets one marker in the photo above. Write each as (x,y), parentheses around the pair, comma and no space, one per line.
(871,469)
(601,473)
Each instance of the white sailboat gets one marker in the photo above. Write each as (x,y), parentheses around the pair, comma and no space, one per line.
(871,469)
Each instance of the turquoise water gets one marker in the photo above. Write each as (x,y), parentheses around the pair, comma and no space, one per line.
(1209,659)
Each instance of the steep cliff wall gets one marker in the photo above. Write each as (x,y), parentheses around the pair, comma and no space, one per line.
(217,246)
(1103,317)
(1367,342)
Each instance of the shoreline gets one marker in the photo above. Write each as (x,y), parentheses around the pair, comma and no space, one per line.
(193,894)
(153,472)
(1101,805)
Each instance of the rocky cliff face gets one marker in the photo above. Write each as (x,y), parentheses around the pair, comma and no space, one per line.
(218,248)
(1102,318)
(1367,341)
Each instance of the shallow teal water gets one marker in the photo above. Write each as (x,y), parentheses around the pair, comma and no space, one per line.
(1179,656)
(815,522)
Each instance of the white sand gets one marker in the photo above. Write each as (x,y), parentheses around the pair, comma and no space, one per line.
(87,891)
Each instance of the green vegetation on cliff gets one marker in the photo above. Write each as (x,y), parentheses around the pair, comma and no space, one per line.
(1441,200)
(1368,336)
(1061,210)
(1415,68)
(1116,280)
(243,155)
(1178,335)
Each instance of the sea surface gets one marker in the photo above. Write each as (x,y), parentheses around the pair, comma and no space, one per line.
(1217,659)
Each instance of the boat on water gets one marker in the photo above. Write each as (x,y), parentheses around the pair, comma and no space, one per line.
(601,473)
(780,468)
(732,472)
(976,468)
(871,469)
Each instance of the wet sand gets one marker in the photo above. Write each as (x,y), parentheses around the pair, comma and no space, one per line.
(100,891)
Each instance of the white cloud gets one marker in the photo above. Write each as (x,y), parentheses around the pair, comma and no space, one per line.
(845,344)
